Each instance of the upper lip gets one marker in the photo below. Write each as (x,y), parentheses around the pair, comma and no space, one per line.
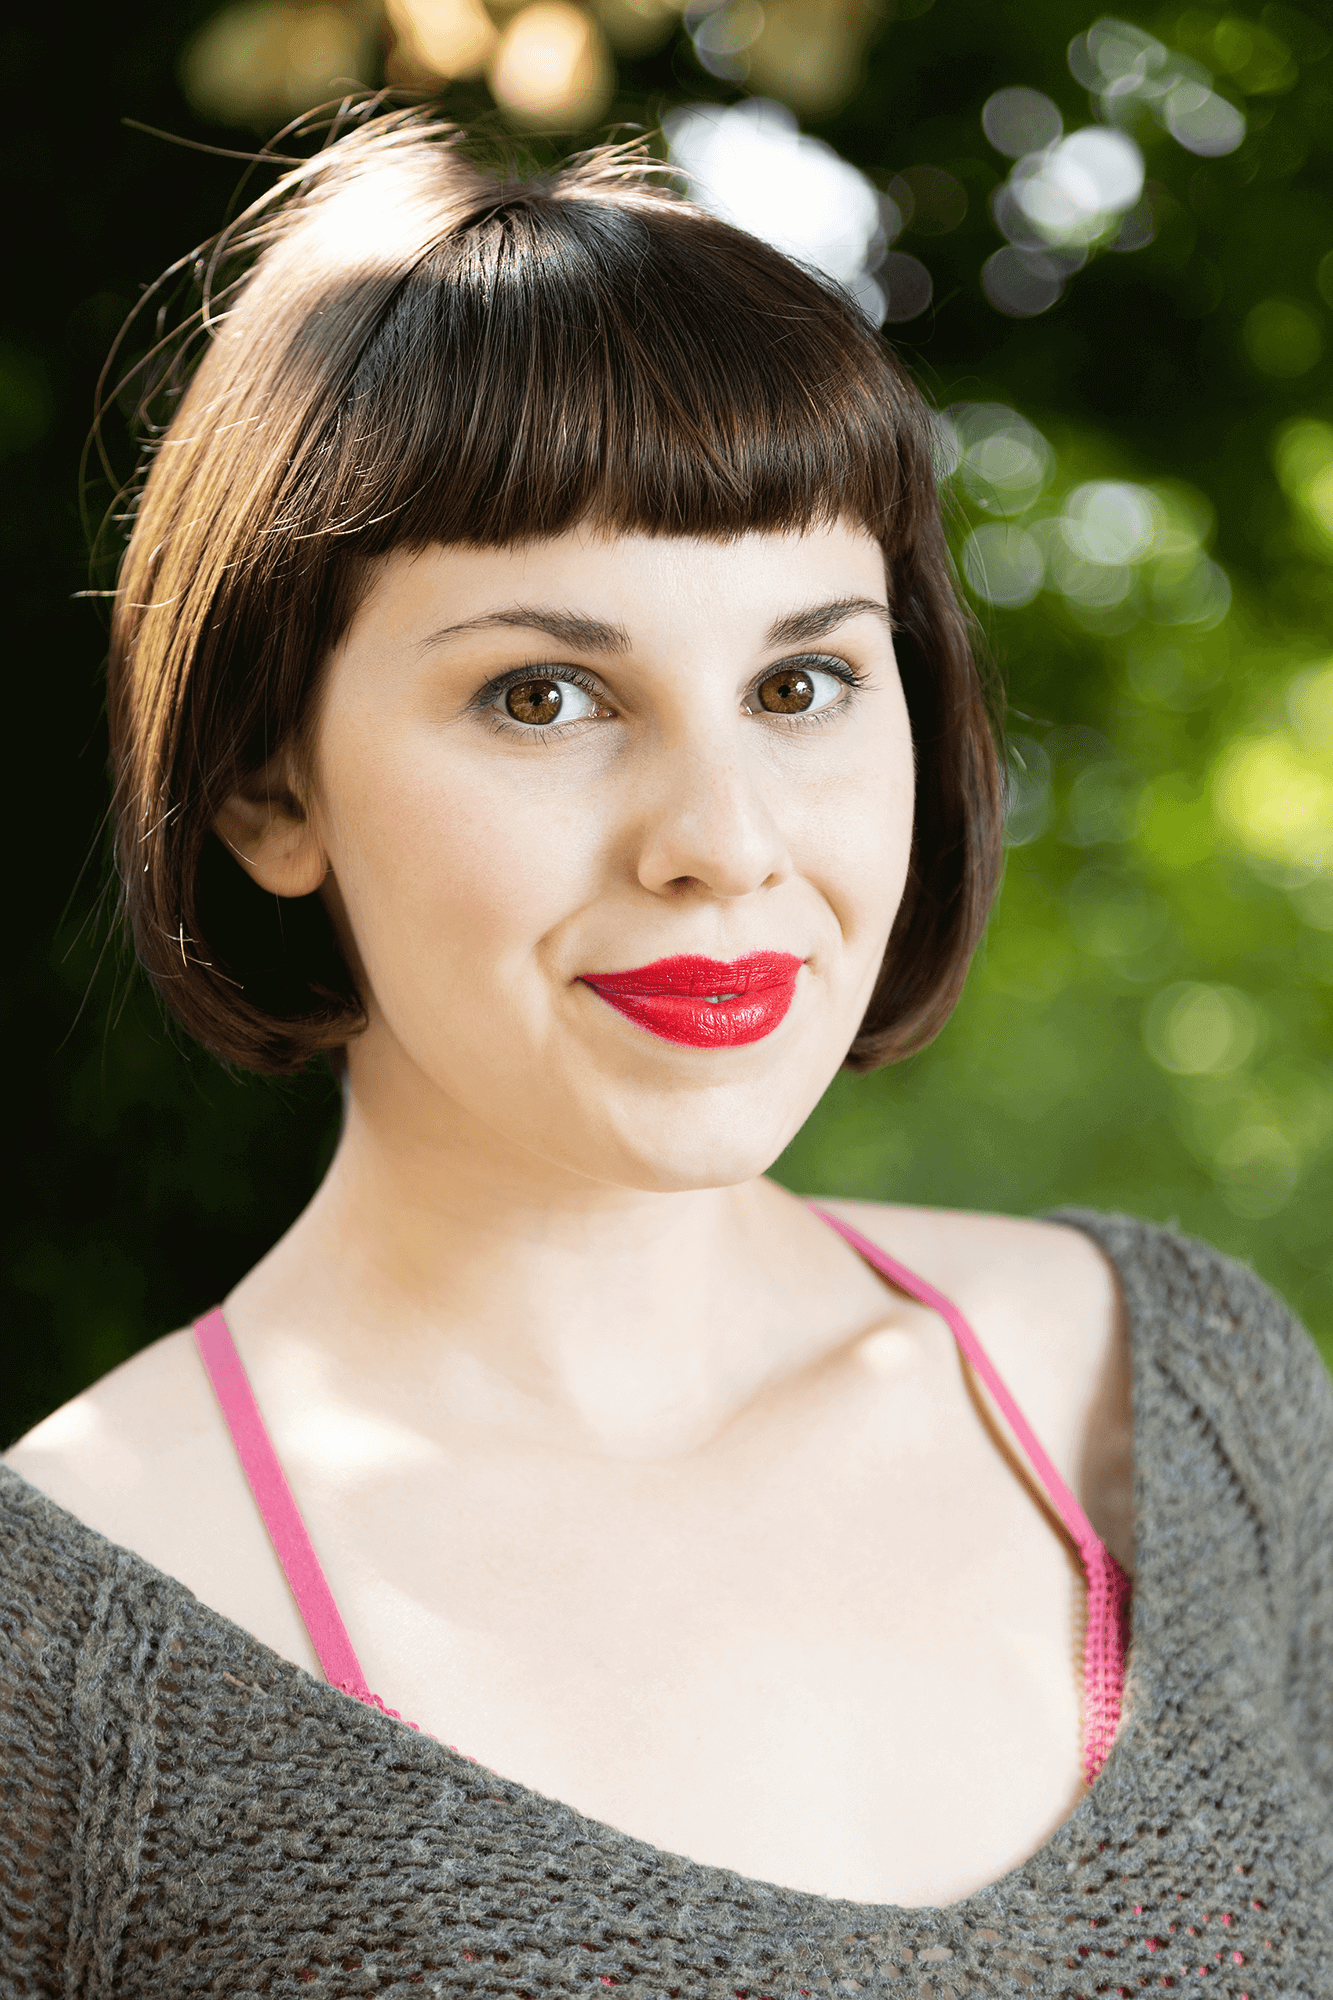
(702,978)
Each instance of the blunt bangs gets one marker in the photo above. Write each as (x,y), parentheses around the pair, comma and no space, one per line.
(563,360)
(402,351)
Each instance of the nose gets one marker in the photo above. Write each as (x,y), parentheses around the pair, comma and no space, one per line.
(710,827)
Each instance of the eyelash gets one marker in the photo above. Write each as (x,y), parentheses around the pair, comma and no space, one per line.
(494,691)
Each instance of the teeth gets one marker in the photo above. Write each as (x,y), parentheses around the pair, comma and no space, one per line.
(716,999)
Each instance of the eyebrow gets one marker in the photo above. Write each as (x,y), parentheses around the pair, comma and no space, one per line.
(595,635)
(820,619)
(568,628)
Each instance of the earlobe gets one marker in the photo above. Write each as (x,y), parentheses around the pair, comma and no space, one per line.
(273,838)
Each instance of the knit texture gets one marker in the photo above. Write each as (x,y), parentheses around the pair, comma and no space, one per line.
(184,1812)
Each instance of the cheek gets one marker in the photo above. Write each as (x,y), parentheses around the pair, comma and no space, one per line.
(444,870)
(857,839)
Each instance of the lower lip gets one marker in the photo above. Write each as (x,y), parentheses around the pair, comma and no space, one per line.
(702,1003)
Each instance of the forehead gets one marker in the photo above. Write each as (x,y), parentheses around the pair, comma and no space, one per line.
(606,591)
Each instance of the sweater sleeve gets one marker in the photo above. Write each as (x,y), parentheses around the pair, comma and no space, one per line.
(41,1585)
(1273,1401)
(1256,1375)
(1309,1676)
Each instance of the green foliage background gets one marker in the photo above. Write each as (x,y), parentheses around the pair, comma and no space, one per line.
(146,1179)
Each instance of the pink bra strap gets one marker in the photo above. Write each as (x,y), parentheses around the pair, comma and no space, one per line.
(277,1504)
(1108,1583)
(1063,1501)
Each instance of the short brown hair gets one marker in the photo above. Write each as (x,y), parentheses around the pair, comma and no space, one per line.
(412,350)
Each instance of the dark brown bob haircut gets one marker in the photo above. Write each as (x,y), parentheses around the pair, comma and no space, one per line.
(398,349)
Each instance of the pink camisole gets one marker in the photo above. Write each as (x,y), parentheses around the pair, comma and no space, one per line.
(1108,1584)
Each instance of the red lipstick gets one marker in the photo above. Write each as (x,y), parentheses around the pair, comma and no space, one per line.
(708,1003)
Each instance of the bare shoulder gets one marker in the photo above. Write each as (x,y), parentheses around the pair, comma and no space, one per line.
(144,1457)
(134,1454)
(961,1250)
(1046,1303)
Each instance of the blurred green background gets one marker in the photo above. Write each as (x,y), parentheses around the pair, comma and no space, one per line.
(1140,384)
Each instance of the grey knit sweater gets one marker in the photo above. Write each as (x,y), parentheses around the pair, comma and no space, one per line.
(184,1812)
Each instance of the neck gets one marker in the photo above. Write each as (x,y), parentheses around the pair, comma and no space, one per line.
(500,1295)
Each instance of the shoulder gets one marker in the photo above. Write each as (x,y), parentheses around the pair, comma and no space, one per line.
(49,1562)
(96,1447)
(1205,1306)
(958,1248)
(1083,1310)
(1182,1299)
(1043,1297)
(52,1579)
(53,1571)
(144,1459)
(1045,1302)
(138,1456)
(76,1482)
(1219,1338)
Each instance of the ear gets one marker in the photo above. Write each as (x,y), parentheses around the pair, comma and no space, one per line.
(266,827)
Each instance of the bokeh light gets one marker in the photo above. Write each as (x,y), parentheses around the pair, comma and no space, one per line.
(551,66)
(1274,790)
(904,284)
(1303,457)
(438,39)
(1118,553)
(1310,705)
(1068,197)
(1022,282)
(1027,790)
(1003,462)
(1199,1030)
(1064,197)
(1283,337)
(809,52)
(264,60)
(1129,71)
(1111,522)
(721,34)
(1057,203)
(1003,564)
(752,166)
(1019,121)
(1202,121)
(1071,191)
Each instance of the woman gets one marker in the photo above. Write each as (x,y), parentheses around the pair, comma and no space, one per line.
(535,675)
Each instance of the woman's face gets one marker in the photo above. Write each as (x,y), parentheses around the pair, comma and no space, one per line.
(539,767)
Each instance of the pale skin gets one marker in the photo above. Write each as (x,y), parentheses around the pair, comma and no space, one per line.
(629,1477)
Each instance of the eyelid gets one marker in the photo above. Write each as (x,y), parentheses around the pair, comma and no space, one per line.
(834,662)
(828,663)
(490,691)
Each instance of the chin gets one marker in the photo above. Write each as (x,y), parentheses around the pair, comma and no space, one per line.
(693,1146)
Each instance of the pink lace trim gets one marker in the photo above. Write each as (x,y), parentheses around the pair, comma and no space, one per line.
(364,1694)
(1104,1649)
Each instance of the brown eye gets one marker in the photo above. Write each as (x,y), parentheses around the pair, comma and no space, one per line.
(535,701)
(786,693)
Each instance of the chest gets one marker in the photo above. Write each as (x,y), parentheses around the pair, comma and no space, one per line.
(840,1654)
